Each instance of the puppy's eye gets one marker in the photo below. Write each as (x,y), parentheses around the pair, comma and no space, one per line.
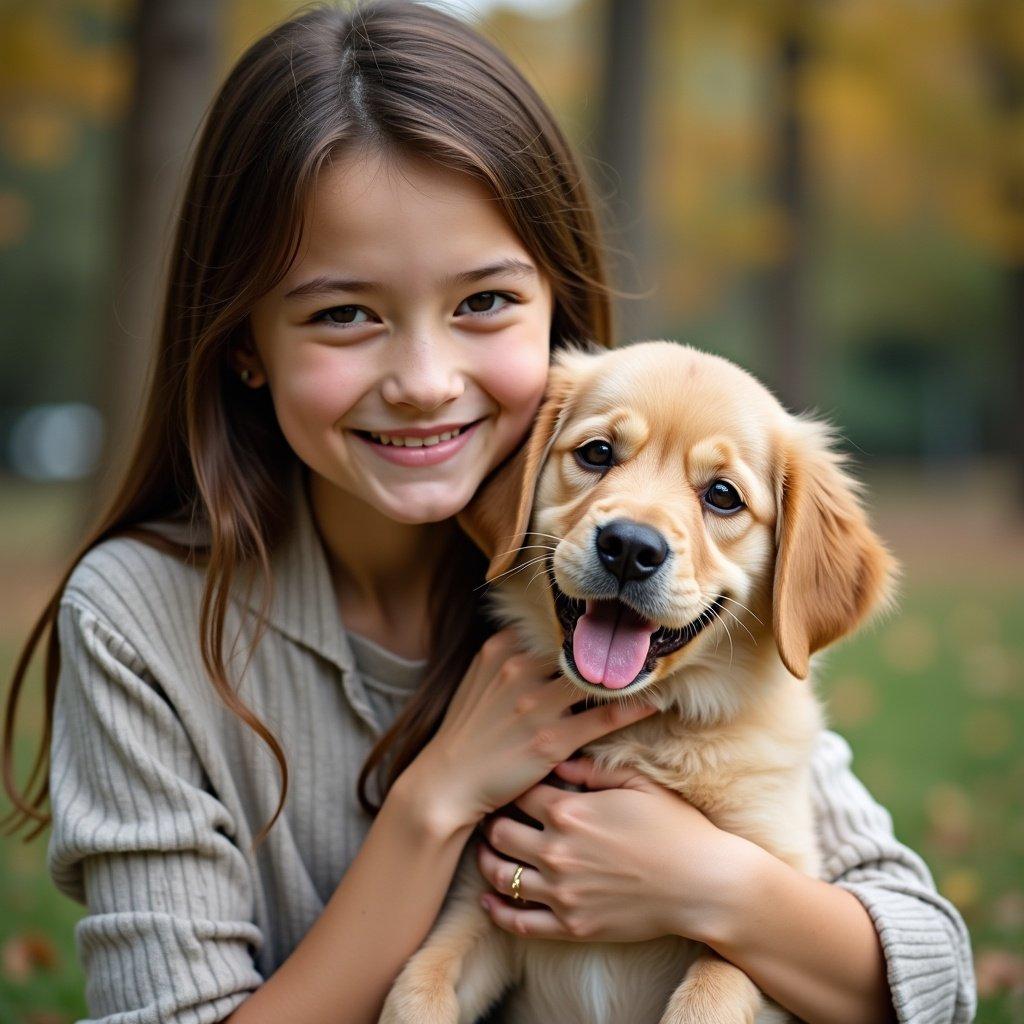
(723,497)
(595,454)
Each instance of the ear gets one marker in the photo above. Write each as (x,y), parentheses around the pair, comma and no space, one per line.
(243,356)
(831,570)
(497,517)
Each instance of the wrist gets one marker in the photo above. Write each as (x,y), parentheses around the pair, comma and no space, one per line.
(430,803)
(742,876)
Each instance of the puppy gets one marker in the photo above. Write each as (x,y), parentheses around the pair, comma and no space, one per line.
(699,544)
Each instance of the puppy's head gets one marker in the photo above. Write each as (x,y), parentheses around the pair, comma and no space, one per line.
(666,512)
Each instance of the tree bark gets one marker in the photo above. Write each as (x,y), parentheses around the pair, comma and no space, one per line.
(786,282)
(1003,67)
(622,146)
(176,46)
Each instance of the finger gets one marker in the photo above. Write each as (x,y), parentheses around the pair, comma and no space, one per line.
(541,924)
(586,772)
(513,838)
(537,801)
(500,873)
(498,647)
(590,724)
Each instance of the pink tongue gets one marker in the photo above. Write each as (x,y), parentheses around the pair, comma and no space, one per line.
(610,644)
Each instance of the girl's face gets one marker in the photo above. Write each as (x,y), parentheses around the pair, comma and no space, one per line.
(413,309)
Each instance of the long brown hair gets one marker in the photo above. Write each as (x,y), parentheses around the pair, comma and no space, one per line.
(398,75)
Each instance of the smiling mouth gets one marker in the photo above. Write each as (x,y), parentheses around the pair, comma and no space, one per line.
(376,438)
(610,645)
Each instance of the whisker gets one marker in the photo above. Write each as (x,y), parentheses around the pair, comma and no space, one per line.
(514,569)
(523,547)
(740,623)
(521,567)
(725,627)
(744,607)
(539,572)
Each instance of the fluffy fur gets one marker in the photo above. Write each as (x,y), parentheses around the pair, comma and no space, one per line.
(798,566)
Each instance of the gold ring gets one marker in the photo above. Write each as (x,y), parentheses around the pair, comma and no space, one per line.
(515,883)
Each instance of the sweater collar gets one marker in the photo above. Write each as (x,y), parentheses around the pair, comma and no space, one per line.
(303,605)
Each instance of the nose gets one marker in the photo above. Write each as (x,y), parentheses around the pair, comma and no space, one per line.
(424,376)
(629,550)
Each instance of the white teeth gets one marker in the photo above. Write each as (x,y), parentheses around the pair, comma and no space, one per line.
(415,442)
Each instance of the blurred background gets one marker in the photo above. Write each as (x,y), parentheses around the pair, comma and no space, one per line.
(830,193)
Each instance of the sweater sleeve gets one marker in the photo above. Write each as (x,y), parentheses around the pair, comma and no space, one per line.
(139,837)
(923,937)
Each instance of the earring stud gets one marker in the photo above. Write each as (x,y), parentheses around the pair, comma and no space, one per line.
(246,376)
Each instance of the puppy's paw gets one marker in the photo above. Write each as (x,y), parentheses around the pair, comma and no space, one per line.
(714,992)
(421,995)
(689,1010)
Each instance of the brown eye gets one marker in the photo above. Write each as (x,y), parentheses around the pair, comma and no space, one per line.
(346,317)
(595,454)
(488,303)
(723,497)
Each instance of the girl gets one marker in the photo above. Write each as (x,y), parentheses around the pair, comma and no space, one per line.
(384,237)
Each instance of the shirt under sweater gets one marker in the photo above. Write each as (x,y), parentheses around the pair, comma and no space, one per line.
(157,791)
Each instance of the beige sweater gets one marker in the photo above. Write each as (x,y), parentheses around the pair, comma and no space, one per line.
(157,791)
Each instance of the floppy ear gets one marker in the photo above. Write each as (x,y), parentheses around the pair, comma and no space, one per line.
(831,570)
(498,515)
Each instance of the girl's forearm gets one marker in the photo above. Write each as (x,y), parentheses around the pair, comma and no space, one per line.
(375,920)
(809,945)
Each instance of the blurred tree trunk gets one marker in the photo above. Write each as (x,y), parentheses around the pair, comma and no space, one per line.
(622,132)
(176,46)
(996,27)
(790,354)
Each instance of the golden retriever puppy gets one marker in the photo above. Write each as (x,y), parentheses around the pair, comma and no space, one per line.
(700,543)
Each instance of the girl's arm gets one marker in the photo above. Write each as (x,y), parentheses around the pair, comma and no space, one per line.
(140,838)
(809,945)
(927,948)
(376,919)
(880,937)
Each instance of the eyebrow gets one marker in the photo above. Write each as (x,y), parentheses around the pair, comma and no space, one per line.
(509,267)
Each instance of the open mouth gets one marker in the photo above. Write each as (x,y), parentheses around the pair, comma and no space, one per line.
(609,644)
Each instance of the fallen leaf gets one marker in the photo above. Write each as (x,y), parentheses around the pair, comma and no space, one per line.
(987,732)
(852,700)
(1008,910)
(997,971)
(961,887)
(23,954)
(909,645)
(971,622)
(950,821)
(989,670)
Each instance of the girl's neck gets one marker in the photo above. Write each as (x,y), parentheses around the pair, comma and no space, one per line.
(382,569)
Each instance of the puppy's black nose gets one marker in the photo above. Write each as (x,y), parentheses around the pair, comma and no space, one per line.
(630,551)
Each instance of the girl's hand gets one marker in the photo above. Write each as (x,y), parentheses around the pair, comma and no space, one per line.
(630,862)
(507,727)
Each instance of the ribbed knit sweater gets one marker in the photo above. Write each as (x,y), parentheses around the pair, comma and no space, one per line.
(157,791)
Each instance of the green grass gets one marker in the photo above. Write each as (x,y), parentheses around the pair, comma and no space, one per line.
(932,703)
